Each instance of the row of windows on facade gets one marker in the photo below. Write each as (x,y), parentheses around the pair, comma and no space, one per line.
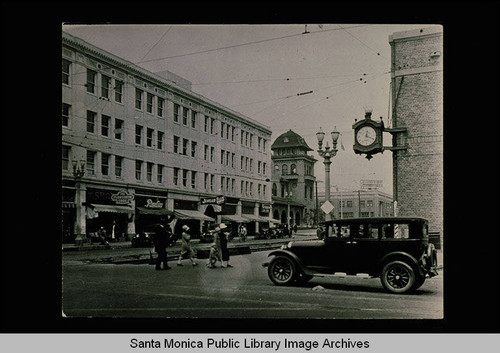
(290,151)
(308,191)
(188,177)
(188,147)
(227,130)
(293,169)
(227,158)
(362,214)
(362,203)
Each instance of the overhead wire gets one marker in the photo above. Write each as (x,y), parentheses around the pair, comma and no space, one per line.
(243,44)
(149,51)
(359,40)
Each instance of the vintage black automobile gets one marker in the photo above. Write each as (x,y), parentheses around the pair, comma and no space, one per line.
(396,249)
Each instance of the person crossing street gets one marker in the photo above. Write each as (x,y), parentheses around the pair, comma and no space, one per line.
(161,241)
(186,247)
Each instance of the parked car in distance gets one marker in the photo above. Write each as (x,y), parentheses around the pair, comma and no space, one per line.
(396,249)
(145,238)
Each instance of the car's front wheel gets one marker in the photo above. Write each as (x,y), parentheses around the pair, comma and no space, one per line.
(398,277)
(281,270)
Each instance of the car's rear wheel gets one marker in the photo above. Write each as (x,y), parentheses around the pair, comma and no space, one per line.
(281,270)
(398,277)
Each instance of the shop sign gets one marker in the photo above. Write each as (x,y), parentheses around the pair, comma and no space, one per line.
(219,200)
(265,208)
(151,204)
(371,184)
(122,198)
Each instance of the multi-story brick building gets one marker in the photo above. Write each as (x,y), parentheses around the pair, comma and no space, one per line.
(151,146)
(417,99)
(292,179)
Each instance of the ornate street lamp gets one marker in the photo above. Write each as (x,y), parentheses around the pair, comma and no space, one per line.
(327,154)
(78,173)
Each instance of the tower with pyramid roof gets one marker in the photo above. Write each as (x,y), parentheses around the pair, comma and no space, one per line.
(293,180)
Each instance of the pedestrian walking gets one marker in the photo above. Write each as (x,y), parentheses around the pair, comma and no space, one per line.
(215,249)
(243,233)
(295,228)
(224,235)
(161,241)
(186,247)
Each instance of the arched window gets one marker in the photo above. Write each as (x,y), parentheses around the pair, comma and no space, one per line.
(284,169)
(282,190)
(275,190)
(283,217)
(293,169)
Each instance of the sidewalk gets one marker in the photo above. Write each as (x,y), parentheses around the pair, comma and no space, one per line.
(123,252)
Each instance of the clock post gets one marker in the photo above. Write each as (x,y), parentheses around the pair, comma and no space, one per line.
(368,136)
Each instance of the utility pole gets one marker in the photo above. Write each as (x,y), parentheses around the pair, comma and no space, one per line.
(359,203)
(317,204)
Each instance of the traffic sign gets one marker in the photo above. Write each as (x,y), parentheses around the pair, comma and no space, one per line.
(327,207)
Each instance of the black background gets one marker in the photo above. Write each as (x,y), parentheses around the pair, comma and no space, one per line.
(31,249)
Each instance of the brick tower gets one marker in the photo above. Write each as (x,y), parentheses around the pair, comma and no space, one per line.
(417,101)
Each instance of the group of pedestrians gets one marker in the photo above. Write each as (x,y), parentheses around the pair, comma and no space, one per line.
(218,249)
(164,237)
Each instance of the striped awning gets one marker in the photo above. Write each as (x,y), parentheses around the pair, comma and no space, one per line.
(233,218)
(112,208)
(190,214)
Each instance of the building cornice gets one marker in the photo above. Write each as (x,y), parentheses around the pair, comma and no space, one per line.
(416,34)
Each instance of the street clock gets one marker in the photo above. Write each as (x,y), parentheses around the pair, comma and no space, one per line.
(368,136)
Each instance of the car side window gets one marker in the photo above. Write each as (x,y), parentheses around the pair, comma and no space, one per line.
(373,231)
(401,231)
(387,231)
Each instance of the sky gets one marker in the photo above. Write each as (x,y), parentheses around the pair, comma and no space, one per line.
(260,71)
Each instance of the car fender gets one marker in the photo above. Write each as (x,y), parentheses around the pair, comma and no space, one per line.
(295,259)
(399,255)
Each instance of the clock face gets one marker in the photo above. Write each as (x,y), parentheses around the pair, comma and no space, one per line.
(366,136)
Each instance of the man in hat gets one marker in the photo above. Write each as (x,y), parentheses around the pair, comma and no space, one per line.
(224,235)
(161,239)
(186,248)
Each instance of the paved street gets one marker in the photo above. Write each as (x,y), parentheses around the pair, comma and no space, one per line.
(245,291)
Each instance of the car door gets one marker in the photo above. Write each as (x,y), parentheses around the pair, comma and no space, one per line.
(336,249)
(362,248)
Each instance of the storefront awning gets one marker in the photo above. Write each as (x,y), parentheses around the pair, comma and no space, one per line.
(188,214)
(260,218)
(251,217)
(233,218)
(111,208)
(272,220)
(154,211)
